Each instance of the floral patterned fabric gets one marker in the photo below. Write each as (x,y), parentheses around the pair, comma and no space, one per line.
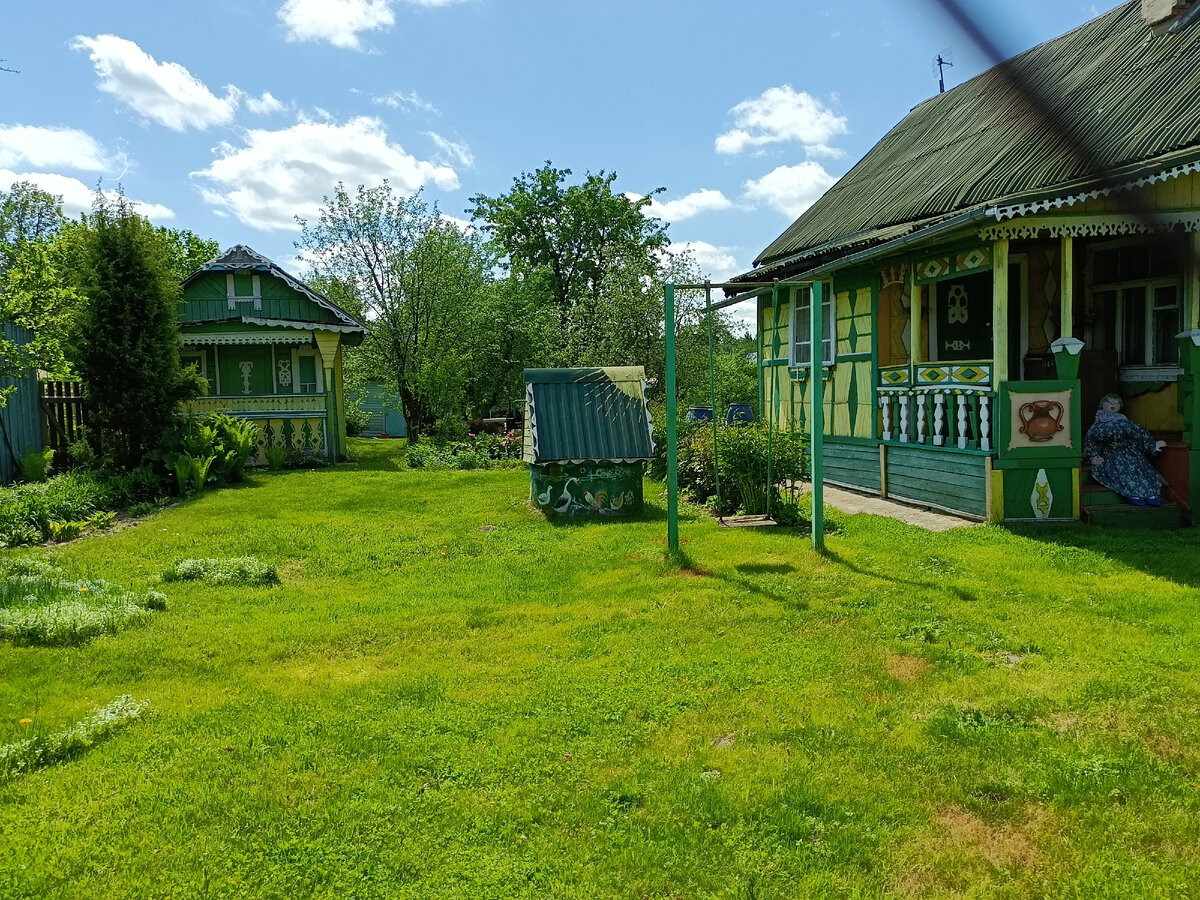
(1125,447)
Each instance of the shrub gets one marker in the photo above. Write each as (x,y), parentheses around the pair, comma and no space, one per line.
(35,465)
(357,418)
(27,510)
(276,457)
(242,570)
(44,750)
(742,456)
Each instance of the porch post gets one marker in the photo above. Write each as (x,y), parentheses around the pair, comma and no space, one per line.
(1000,372)
(917,331)
(1066,288)
(327,344)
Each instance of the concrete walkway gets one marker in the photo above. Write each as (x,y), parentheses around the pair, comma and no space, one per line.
(929,519)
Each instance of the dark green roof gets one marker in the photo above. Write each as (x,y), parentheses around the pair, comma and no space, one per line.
(595,415)
(1135,96)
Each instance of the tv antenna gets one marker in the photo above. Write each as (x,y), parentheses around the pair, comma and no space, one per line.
(944,59)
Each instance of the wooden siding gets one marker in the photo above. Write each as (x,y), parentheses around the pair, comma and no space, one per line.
(20,418)
(205,300)
(855,465)
(943,478)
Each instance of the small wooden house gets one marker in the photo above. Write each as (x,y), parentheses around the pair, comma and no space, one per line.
(587,439)
(270,348)
(1010,252)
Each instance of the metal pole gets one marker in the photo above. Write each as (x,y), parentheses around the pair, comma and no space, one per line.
(672,441)
(816,391)
(712,398)
(774,396)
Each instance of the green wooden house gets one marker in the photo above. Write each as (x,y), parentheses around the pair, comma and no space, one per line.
(270,348)
(988,277)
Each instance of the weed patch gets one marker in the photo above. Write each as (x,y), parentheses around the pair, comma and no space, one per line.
(240,570)
(40,606)
(58,746)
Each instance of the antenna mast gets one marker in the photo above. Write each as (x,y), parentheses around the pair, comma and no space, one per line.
(941,63)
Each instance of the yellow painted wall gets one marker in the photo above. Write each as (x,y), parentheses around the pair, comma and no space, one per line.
(1174,193)
(1158,411)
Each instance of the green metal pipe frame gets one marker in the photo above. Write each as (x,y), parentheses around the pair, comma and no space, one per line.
(817,424)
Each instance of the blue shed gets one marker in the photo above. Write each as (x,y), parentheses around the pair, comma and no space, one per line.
(383,404)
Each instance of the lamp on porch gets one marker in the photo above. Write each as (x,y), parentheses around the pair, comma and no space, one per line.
(1066,357)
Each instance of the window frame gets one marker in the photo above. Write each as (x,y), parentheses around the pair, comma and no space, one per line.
(298,352)
(1153,368)
(829,338)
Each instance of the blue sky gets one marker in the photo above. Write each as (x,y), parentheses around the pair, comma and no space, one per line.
(231,118)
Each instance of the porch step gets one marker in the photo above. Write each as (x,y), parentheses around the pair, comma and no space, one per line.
(1098,495)
(1123,515)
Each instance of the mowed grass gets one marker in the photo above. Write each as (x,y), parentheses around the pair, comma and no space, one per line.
(447,696)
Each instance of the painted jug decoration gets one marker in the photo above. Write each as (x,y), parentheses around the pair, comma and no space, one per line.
(1041,420)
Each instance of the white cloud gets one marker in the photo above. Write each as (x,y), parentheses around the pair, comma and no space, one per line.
(715,263)
(401,100)
(277,175)
(687,206)
(341,21)
(791,189)
(263,105)
(165,92)
(462,225)
(76,196)
(336,21)
(780,115)
(47,148)
(453,152)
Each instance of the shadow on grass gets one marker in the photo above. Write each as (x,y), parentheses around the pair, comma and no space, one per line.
(891,577)
(1170,555)
(687,568)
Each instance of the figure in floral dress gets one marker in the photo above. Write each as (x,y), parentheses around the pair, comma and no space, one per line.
(1120,451)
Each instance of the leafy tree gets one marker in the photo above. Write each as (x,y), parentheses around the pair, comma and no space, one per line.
(35,294)
(587,252)
(126,344)
(186,250)
(417,280)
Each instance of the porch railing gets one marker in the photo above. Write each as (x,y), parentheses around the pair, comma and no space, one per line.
(938,405)
(293,404)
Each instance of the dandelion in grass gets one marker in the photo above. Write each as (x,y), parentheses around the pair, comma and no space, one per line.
(43,750)
(27,721)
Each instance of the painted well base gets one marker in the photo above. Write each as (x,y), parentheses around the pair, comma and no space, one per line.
(587,489)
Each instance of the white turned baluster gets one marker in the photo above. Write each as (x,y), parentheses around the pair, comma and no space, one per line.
(920,418)
(885,403)
(903,400)
(962,421)
(939,424)
(985,424)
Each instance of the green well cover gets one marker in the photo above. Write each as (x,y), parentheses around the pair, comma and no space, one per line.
(594,414)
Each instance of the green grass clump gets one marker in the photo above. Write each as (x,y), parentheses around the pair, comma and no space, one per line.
(241,570)
(58,746)
(40,606)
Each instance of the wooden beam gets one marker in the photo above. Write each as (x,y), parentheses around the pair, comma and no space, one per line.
(1066,288)
(1000,312)
(918,337)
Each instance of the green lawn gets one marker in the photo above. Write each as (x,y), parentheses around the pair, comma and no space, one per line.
(449,697)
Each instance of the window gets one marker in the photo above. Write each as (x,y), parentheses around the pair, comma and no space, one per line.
(1136,303)
(802,327)
(306,369)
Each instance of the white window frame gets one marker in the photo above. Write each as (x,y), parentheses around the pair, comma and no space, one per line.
(298,352)
(829,338)
(1151,370)
(232,296)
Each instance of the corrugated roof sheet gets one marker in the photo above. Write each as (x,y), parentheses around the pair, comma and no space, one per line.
(594,414)
(1135,96)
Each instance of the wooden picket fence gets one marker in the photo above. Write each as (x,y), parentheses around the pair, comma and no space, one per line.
(63,415)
